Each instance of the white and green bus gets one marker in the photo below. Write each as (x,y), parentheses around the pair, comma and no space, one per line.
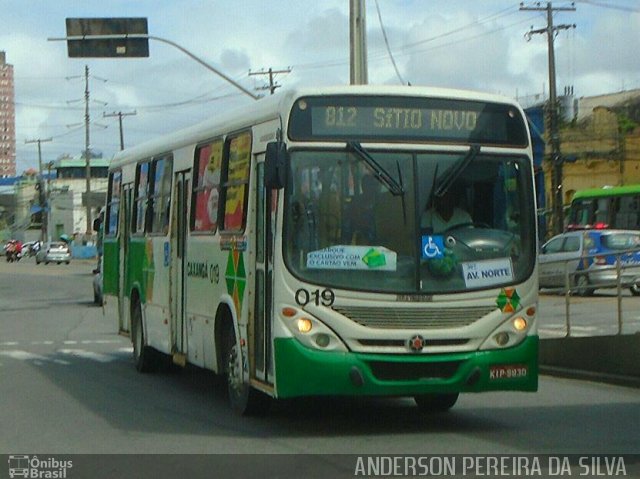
(284,245)
(609,207)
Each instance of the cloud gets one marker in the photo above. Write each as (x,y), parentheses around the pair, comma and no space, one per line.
(452,43)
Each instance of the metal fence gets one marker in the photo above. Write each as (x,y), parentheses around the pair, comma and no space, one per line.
(615,310)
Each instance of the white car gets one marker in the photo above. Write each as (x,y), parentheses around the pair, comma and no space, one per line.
(54,252)
(589,258)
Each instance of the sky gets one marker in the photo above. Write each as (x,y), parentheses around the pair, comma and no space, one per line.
(469,44)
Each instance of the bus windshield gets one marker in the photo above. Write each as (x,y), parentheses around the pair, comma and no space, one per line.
(345,228)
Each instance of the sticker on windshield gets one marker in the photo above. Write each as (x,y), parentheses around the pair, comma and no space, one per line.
(432,247)
(487,272)
(353,257)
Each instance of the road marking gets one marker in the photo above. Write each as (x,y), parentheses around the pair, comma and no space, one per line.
(100,341)
(68,342)
(42,359)
(23,355)
(81,353)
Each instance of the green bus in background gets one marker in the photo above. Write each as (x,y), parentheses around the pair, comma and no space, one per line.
(607,207)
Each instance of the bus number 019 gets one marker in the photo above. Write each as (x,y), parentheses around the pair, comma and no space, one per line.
(326,297)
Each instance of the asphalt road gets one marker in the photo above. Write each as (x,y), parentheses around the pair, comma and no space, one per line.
(68,386)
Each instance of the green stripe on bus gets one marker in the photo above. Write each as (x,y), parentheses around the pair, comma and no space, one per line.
(301,371)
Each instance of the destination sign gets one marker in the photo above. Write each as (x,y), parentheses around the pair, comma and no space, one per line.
(406,119)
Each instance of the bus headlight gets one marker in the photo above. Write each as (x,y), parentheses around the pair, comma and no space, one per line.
(509,333)
(304,325)
(519,324)
(310,331)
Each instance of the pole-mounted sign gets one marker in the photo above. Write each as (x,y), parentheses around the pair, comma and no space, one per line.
(101,47)
(121,37)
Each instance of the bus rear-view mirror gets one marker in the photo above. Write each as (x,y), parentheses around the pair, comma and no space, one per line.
(275,175)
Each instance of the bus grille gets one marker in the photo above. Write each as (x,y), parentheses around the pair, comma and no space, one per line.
(414,318)
(402,343)
(404,371)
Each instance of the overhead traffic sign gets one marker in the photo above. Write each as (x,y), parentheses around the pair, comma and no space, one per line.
(80,43)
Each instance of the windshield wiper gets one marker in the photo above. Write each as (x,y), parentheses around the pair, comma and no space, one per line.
(452,174)
(380,173)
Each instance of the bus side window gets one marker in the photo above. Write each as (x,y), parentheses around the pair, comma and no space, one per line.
(161,194)
(627,213)
(601,215)
(141,199)
(206,187)
(235,187)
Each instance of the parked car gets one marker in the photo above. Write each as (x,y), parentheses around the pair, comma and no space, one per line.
(589,256)
(54,252)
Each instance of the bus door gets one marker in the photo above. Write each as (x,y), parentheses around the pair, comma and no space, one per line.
(263,305)
(125,238)
(178,269)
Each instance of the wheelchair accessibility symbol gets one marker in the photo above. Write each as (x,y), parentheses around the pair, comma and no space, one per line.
(432,247)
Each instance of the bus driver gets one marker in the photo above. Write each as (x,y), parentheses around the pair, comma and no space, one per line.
(444,214)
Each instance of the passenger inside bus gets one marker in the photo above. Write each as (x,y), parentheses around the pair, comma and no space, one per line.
(304,213)
(360,224)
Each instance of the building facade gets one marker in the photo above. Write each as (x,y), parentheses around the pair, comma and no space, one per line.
(67,196)
(600,146)
(7,119)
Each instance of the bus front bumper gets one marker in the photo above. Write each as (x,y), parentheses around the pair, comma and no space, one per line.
(301,371)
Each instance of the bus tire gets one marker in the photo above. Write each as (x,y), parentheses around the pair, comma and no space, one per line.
(635,289)
(436,402)
(145,358)
(243,399)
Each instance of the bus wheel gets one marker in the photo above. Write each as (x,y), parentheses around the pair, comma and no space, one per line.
(436,402)
(635,289)
(244,400)
(145,358)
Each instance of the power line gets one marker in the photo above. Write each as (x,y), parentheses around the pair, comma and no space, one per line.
(408,49)
(609,6)
(386,42)
(494,16)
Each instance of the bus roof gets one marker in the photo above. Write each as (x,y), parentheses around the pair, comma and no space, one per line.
(606,191)
(274,106)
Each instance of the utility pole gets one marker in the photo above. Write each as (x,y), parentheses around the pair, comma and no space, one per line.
(119,115)
(554,135)
(358,43)
(272,85)
(42,197)
(87,144)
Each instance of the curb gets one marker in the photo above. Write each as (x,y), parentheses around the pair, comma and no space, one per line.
(617,379)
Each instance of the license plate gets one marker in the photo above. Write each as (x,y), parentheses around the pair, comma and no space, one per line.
(512,371)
